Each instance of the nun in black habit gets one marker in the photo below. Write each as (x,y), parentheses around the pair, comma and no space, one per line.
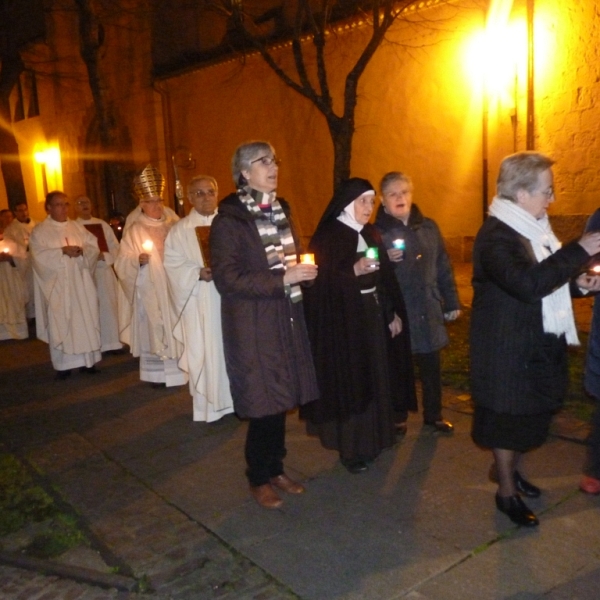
(359,335)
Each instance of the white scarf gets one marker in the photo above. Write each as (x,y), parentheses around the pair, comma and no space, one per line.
(557,309)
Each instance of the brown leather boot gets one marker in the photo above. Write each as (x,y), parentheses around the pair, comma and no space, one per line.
(266,496)
(283,482)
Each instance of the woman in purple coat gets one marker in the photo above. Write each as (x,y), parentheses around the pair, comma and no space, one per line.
(254,265)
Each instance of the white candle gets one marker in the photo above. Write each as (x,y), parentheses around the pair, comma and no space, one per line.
(147,246)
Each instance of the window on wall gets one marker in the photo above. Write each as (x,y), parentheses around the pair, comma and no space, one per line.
(24,98)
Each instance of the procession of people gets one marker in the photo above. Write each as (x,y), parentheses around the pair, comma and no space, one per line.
(225,301)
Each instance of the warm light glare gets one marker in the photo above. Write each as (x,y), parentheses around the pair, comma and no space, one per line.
(307,259)
(49,168)
(496,58)
(147,246)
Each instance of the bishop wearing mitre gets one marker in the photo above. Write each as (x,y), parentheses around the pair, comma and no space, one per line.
(146,317)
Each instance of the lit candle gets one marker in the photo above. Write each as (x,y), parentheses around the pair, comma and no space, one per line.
(147,246)
(596,269)
(307,259)
(372,253)
(5,250)
(398,244)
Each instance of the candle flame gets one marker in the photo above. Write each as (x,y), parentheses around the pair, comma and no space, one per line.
(307,259)
(147,246)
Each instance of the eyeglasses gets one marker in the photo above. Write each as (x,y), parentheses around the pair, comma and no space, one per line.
(267,161)
(549,193)
(203,193)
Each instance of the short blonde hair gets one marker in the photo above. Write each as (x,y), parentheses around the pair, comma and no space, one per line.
(391,177)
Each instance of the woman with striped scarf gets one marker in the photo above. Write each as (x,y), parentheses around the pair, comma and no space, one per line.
(254,253)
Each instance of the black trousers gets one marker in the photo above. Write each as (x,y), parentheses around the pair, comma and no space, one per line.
(265,448)
(429,371)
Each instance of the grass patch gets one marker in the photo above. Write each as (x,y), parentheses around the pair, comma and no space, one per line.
(455,367)
(23,503)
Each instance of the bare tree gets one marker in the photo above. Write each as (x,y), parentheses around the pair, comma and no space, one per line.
(91,41)
(316,20)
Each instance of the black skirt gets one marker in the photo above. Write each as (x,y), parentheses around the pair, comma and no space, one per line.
(520,433)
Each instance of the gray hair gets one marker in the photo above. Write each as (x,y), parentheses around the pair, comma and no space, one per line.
(242,157)
(202,178)
(392,177)
(520,171)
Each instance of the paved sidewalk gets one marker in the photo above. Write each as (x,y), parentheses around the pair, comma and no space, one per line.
(168,498)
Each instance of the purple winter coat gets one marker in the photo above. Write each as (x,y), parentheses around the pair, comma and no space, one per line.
(267,352)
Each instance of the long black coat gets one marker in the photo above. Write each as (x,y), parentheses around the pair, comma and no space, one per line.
(425,277)
(336,325)
(516,368)
(267,352)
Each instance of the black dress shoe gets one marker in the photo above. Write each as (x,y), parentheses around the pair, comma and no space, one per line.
(522,485)
(525,488)
(62,375)
(89,370)
(516,510)
(442,426)
(355,465)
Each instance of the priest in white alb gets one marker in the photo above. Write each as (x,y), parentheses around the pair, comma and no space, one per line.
(13,291)
(198,304)
(19,231)
(64,256)
(104,276)
(146,317)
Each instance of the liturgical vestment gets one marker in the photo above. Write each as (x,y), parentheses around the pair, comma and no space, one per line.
(13,292)
(146,317)
(106,283)
(66,302)
(197,305)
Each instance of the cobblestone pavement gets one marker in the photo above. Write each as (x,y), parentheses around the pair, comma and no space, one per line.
(67,432)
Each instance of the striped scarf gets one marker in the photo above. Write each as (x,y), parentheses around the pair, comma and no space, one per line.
(275,232)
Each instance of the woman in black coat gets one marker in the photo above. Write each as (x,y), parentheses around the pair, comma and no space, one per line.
(267,353)
(424,272)
(521,323)
(357,327)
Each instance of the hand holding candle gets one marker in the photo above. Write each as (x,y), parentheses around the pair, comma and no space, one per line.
(144,257)
(396,252)
(5,254)
(303,271)
(368,263)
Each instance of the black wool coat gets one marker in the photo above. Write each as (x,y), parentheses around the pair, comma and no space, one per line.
(425,277)
(267,352)
(516,368)
(336,325)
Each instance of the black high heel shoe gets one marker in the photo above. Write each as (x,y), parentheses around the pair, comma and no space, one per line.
(524,487)
(516,510)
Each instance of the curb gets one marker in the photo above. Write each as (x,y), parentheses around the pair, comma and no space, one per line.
(79,574)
